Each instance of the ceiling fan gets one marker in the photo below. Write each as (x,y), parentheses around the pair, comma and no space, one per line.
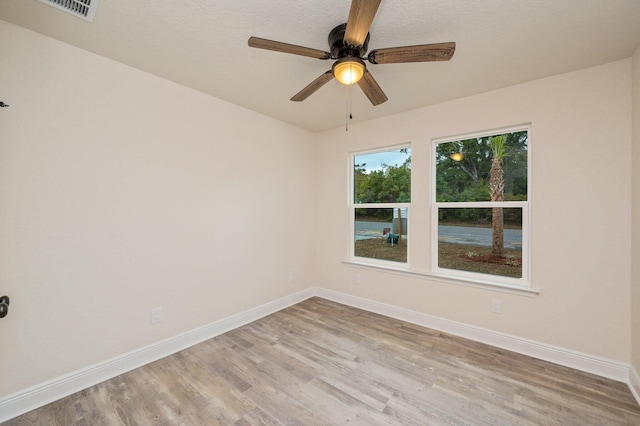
(348,43)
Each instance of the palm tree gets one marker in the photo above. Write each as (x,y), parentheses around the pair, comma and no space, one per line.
(496,189)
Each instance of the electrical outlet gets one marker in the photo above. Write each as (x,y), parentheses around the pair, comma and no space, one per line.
(358,279)
(496,306)
(292,276)
(156,315)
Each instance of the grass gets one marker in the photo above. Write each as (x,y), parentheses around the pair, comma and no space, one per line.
(451,256)
(479,259)
(378,248)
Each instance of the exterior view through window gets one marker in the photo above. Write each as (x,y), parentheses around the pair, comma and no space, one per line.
(481,206)
(380,207)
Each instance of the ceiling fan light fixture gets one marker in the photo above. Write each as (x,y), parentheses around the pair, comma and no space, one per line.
(348,70)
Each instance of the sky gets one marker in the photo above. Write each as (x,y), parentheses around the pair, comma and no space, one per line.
(375,160)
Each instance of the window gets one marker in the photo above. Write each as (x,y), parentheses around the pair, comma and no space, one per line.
(479,201)
(379,206)
(481,207)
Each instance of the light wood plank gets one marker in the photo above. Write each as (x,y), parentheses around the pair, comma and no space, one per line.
(322,363)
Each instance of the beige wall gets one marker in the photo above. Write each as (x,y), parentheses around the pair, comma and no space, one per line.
(580,145)
(121,192)
(635,196)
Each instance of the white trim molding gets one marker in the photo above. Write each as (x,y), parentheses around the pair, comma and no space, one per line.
(29,399)
(580,361)
(37,396)
(634,383)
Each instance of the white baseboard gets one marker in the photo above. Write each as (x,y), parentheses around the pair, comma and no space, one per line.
(580,361)
(24,401)
(634,383)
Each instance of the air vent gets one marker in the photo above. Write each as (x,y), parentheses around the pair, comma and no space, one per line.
(84,9)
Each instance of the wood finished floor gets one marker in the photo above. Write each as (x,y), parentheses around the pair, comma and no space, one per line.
(322,363)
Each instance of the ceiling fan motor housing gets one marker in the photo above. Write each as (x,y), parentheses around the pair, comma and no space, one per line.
(338,47)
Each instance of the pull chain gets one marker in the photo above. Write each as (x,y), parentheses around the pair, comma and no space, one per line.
(347,111)
(350,116)
(347,115)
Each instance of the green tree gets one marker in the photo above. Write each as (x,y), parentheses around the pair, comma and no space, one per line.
(468,180)
(390,184)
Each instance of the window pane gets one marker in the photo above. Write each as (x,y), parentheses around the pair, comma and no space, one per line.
(463,169)
(382,177)
(379,234)
(466,241)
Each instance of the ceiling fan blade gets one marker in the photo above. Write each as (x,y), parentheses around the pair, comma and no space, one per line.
(418,53)
(370,87)
(312,87)
(262,43)
(361,16)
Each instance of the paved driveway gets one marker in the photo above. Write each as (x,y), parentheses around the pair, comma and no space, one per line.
(450,234)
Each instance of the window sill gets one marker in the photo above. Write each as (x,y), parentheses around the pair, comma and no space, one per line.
(487,285)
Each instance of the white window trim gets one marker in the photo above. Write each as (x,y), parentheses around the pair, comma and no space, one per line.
(474,283)
(484,279)
(386,264)
(522,287)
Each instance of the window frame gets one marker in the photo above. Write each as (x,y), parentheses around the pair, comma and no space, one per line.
(525,280)
(352,206)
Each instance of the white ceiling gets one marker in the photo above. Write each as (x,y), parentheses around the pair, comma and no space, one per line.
(202,44)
